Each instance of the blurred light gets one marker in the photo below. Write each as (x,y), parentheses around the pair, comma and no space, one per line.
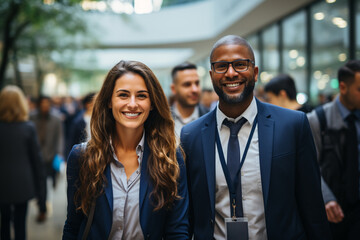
(330,1)
(340,22)
(117,6)
(90,5)
(265,77)
(334,83)
(49,2)
(317,74)
(321,84)
(293,53)
(325,78)
(201,71)
(143,6)
(342,57)
(50,82)
(319,16)
(300,61)
(157,5)
(301,98)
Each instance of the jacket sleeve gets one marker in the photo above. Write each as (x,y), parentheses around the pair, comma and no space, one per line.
(74,217)
(308,186)
(315,129)
(177,222)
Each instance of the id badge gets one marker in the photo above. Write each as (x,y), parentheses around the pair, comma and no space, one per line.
(236,228)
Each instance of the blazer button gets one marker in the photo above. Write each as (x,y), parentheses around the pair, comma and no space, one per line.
(148,236)
(211,222)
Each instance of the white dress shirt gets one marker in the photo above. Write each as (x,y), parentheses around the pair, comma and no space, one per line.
(253,202)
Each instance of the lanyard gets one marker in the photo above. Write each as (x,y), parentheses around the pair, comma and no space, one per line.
(232,185)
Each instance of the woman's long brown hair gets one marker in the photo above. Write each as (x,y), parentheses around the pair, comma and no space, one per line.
(162,168)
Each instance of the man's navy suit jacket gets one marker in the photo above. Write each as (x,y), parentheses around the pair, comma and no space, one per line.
(162,224)
(294,208)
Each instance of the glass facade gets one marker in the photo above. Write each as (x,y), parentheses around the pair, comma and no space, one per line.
(294,49)
(310,45)
(270,62)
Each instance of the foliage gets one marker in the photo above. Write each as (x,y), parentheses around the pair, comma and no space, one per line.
(33,28)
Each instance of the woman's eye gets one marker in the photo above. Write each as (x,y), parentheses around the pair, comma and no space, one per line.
(123,95)
(142,96)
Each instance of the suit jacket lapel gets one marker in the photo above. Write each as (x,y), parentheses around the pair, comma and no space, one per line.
(208,144)
(265,132)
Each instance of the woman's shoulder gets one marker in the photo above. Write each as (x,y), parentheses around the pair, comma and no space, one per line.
(75,154)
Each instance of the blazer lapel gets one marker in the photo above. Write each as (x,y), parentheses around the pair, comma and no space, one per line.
(265,132)
(108,187)
(208,144)
(144,181)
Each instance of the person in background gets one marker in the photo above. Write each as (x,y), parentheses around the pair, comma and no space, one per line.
(185,88)
(50,132)
(130,168)
(80,127)
(336,130)
(276,185)
(281,91)
(21,165)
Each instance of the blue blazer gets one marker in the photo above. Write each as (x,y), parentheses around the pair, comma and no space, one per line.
(294,208)
(162,224)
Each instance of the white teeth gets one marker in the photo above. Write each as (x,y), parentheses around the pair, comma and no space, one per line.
(132,114)
(232,84)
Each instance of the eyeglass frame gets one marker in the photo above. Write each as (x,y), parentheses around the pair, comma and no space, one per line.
(247,67)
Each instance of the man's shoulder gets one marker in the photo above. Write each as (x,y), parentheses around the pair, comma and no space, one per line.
(197,124)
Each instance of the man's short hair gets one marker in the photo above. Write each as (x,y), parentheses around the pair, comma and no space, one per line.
(232,40)
(182,67)
(347,72)
(282,82)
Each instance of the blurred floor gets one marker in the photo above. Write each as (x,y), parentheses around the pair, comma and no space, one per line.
(51,229)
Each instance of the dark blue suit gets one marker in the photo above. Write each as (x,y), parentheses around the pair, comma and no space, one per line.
(166,224)
(294,207)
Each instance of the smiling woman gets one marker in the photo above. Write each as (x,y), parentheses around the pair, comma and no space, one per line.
(130,168)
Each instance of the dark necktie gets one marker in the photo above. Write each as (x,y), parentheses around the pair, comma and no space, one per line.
(233,160)
(351,161)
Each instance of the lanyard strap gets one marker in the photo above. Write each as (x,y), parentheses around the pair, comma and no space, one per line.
(232,185)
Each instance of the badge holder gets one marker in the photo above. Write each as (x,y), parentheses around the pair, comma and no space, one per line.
(236,228)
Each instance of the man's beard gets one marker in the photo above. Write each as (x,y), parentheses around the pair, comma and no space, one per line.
(248,91)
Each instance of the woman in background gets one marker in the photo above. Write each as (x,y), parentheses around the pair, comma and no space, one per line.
(130,167)
(21,166)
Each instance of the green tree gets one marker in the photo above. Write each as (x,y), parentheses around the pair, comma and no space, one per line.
(33,28)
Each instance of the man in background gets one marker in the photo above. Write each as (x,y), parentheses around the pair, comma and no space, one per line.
(281,91)
(50,132)
(186,91)
(336,130)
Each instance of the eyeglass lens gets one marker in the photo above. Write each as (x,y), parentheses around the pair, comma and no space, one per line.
(238,65)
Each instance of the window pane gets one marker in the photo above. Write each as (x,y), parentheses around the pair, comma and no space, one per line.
(271,54)
(254,42)
(330,45)
(294,50)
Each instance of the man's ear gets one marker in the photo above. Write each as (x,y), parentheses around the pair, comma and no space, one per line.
(172,87)
(283,94)
(343,88)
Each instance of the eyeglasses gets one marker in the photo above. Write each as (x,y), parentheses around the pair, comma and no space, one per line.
(239,65)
